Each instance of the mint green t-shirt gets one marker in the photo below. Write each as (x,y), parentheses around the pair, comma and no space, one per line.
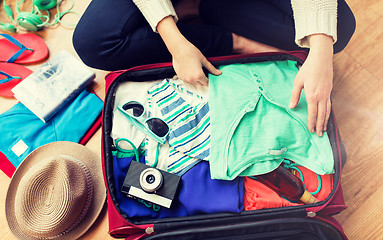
(252,127)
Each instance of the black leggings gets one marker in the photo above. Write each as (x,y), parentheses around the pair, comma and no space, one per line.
(114,35)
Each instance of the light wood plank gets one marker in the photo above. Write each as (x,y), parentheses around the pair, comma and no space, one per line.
(366,49)
(368,218)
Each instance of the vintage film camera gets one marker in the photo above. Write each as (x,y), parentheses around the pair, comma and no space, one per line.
(150,184)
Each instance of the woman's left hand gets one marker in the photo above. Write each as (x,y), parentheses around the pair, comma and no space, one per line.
(316,78)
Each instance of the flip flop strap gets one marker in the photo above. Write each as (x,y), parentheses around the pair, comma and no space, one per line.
(8,79)
(18,44)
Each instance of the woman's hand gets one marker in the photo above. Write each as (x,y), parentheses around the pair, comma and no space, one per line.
(187,59)
(188,63)
(316,78)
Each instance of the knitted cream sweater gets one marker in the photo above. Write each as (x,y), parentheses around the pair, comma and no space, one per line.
(310,16)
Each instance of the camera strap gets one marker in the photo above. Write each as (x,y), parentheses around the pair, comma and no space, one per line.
(134,149)
(124,150)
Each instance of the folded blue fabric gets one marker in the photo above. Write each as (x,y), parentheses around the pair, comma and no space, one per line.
(198,194)
(22,132)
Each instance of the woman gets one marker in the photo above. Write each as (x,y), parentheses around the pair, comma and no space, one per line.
(118,34)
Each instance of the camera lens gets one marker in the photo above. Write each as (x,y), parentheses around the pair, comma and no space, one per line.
(150,180)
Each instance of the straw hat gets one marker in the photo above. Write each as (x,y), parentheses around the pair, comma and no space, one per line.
(57,192)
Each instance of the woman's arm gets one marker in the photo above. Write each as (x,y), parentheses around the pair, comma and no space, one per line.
(156,10)
(316,78)
(315,28)
(187,59)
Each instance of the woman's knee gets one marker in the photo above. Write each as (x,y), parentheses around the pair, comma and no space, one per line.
(104,30)
(86,47)
(92,52)
(118,52)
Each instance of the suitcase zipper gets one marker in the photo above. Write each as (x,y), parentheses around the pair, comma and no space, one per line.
(149,230)
(311,214)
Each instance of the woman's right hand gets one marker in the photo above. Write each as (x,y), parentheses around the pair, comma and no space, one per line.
(187,59)
(188,63)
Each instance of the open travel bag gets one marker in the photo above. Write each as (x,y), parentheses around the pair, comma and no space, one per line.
(202,207)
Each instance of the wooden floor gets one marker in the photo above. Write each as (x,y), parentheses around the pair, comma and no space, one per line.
(358,107)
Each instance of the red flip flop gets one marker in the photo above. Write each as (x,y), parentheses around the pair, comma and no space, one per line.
(10,75)
(22,48)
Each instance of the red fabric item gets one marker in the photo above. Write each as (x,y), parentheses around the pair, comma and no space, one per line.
(311,182)
(259,196)
(6,166)
(93,129)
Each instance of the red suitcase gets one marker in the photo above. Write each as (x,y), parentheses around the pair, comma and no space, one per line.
(312,221)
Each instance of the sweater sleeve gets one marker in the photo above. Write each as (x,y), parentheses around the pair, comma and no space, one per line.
(156,10)
(314,16)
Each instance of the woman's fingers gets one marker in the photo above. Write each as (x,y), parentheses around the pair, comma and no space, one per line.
(210,67)
(328,112)
(312,109)
(321,118)
(318,115)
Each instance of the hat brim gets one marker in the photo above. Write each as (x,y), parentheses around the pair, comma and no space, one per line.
(82,153)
